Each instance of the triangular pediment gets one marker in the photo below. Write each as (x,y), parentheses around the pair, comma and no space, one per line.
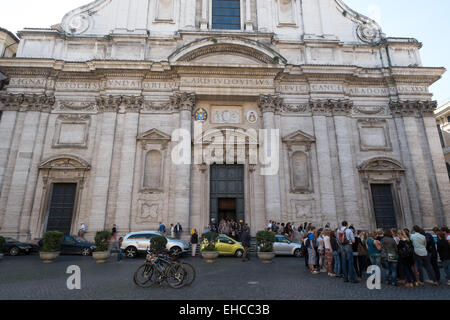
(154,135)
(299,137)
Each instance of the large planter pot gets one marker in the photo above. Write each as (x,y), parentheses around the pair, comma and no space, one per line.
(266,257)
(101,257)
(210,256)
(48,257)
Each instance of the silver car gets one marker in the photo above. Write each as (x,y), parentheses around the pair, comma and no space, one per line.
(135,242)
(285,247)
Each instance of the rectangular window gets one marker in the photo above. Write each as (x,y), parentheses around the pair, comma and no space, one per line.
(226,14)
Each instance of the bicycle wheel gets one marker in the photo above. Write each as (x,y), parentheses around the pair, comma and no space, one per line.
(189,273)
(145,276)
(175,276)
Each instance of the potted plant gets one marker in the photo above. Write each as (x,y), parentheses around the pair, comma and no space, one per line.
(208,248)
(158,244)
(2,244)
(52,246)
(102,252)
(265,241)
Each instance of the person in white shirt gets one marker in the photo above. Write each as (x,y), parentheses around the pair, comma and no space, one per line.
(82,231)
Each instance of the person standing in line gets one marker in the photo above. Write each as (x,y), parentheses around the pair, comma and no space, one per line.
(245,240)
(419,242)
(194,241)
(389,257)
(311,245)
(337,260)
(321,251)
(443,248)
(328,252)
(374,248)
(114,232)
(406,259)
(172,230)
(432,253)
(346,239)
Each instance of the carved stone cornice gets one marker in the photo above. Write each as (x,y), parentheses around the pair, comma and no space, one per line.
(415,108)
(183,101)
(119,103)
(27,102)
(270,103)
(331,107)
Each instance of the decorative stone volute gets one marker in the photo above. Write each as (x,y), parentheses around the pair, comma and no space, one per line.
(183,101)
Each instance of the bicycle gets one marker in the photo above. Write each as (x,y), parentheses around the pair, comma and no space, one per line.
(160,267)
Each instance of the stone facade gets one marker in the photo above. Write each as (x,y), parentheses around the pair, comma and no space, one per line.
(96,100)
(443,121)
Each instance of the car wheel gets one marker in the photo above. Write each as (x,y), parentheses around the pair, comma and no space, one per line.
(86,252)
(297,253)
(131,252)
(14,251)
(239,253)
(175,251)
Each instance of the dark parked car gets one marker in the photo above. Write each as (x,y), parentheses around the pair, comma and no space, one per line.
(75,245)
(14,247)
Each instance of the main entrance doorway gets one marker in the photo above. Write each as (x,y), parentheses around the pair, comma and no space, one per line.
(383,206)
(61,207)
(227,192)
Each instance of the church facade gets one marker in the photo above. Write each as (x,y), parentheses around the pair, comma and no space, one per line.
(136,112)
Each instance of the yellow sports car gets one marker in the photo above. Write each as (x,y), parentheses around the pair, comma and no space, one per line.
(227,246)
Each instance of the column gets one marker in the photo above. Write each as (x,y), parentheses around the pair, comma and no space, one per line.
(269,105)
(7,126)
(126,175)
(324,163)
(189,13)
(204,19)
(102,163)
(347,164)
(185,103)
(248,15)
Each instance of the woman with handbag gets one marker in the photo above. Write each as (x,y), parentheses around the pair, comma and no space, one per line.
(389,257)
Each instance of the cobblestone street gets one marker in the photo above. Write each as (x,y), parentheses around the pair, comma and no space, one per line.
(25,277)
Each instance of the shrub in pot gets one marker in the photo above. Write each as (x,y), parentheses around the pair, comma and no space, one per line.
(2,245)
(208,248)
(158,244)
(52,246)
(265,241)
(102,252)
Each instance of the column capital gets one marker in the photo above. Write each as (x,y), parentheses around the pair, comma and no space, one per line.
(331,107)
(115,103)
(27,102)
(417,108)
(270,103)
(183,101)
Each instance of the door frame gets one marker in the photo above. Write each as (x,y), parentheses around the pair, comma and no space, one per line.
(49,200)
(398,217)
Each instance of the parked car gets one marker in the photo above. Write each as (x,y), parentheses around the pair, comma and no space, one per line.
(15,247)
(285,247)
(138,242)
(74,245)
(227,246)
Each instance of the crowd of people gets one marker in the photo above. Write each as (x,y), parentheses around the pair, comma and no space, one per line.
(402,255)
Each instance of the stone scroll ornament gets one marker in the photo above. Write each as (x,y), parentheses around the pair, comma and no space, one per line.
(368,32)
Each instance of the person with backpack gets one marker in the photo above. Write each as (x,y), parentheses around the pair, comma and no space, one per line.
(432,253)
(311,245)
(346,238)
(389,257)
(419,242)
(336,258)
(406,258)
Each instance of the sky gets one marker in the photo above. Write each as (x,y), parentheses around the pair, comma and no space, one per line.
(427,21)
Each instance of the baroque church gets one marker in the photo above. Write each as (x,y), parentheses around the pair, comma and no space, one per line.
(92,115)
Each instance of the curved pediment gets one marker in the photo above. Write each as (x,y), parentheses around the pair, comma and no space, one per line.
(381,164)
(65,162)
(235,50)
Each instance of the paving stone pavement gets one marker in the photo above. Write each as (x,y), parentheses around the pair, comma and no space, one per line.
(25,277)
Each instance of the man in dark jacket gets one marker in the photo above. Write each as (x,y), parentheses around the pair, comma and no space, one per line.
(443,247)
(432,253)
(245,240)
